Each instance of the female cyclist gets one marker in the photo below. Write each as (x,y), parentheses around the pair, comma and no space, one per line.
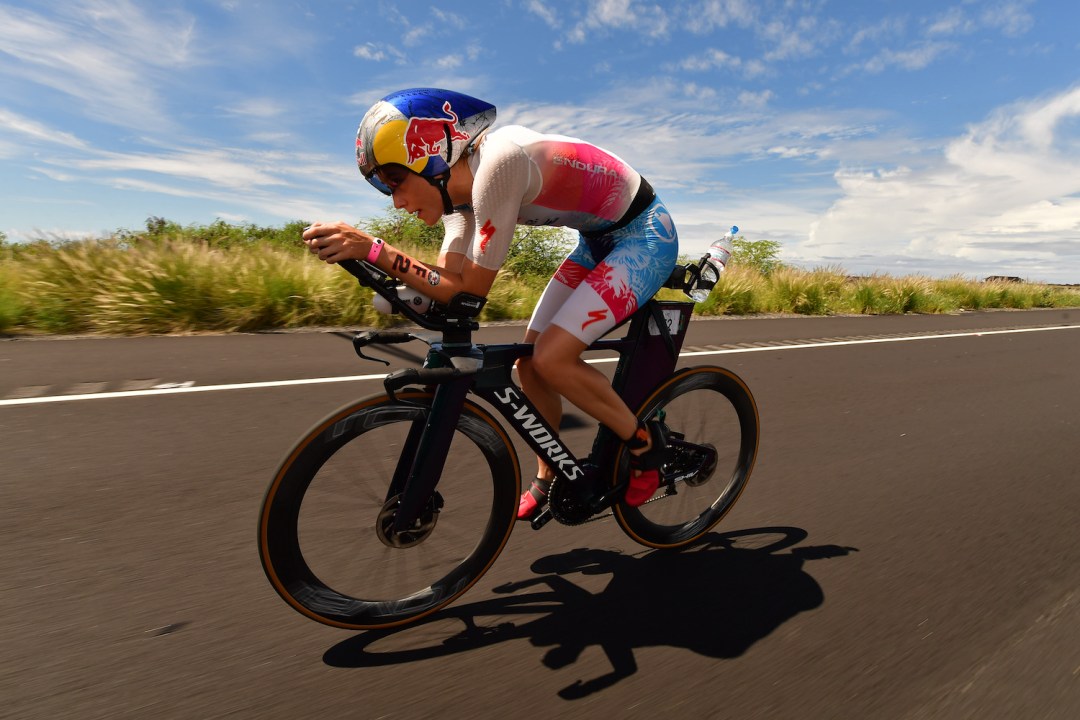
(434,153)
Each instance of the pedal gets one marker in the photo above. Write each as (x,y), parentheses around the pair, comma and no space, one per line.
(542,519)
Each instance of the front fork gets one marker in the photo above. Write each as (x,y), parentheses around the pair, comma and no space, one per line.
(424,454)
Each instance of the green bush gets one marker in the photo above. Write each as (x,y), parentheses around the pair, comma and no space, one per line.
(218,235)
(538,251)
(761,255)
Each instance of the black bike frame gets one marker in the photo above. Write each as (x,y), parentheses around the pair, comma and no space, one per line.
(648,354)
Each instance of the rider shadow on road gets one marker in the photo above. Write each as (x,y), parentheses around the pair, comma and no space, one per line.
(717,599)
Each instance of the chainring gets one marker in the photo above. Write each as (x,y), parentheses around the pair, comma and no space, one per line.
(566,506)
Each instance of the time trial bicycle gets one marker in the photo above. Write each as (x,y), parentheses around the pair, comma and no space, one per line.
(394,505)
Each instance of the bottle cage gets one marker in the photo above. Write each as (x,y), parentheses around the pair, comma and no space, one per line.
(692,276)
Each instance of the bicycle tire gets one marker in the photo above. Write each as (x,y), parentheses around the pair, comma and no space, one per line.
(710,407)
(319,526)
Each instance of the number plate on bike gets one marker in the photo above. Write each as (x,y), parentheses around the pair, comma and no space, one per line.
(672,318)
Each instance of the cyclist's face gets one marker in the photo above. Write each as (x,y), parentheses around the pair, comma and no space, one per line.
(413,194)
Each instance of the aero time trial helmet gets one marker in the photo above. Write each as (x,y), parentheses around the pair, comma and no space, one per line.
(424,130)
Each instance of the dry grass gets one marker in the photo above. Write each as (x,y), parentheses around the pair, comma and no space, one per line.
(174,285)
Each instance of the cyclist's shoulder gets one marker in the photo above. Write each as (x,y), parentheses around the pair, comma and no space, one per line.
(504,152)
(513,134)
(516,143)
(527,136)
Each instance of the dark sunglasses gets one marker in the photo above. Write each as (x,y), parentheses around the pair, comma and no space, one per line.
(388,178)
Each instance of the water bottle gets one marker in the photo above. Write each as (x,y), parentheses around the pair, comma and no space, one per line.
(720,250)
(719,254)
(418,301)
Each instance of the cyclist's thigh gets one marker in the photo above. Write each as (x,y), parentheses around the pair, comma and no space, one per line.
(561,286)
(640,262)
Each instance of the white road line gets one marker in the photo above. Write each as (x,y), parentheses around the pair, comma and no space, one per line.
(871,341)
(595,361)
(188,389)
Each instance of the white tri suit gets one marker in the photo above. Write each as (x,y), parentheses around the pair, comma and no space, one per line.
(627,244)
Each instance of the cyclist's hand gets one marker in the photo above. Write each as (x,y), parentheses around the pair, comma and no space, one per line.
(337,241)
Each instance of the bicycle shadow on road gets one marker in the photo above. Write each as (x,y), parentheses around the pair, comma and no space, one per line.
(717,599)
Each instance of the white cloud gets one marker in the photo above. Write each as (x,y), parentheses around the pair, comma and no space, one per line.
(952,22)
(876,33)
(217,167)
(914,58)
(450,19)
(704,17)
(271,138)
(1004,198)
(789,153)
(709,60)
(369,51)
(801,38)
(712,59)
(544,12)
(274,182)
(756,100)
(106,55)
(257,107)
(697,142)
(27,128)
(1011,17)
(416,35)
(632,15)
(164,40)
(699,92)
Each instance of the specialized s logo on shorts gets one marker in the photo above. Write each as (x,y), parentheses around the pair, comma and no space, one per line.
(595,316)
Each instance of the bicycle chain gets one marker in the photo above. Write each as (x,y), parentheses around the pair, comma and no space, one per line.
(566,508)
(567,511)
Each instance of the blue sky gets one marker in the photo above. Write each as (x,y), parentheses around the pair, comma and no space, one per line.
(924,137)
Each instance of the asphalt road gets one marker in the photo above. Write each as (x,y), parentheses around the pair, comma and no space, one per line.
(907,546)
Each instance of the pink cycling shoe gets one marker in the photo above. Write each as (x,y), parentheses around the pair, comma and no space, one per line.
(645,468)
(533,499)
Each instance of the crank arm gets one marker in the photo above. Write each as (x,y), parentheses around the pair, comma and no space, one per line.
(542,519)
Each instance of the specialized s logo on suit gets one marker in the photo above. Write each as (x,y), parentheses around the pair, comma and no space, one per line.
(486,233)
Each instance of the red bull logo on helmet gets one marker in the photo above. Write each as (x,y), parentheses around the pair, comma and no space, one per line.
(361,156)
(428,136)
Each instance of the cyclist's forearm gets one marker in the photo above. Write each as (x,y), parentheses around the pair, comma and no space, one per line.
(337,241)
(436,281)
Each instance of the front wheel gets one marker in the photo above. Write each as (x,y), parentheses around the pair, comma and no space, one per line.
(325,534)
(714,425)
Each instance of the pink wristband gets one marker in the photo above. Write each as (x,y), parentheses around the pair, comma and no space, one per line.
(375,251)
